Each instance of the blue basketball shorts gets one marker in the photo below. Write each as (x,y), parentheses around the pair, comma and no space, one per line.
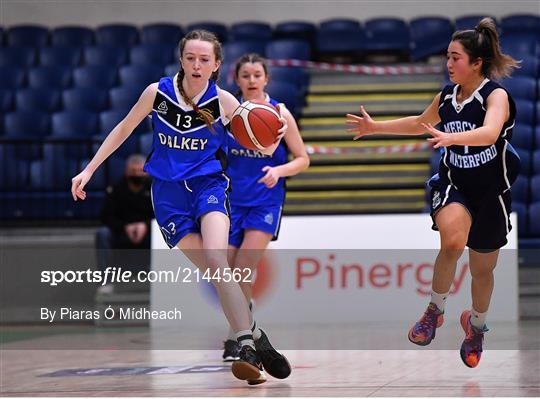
(265,218)
(490,215)
(180,205)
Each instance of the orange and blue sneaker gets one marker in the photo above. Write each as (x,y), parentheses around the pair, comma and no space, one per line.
(471,348)
(423,332)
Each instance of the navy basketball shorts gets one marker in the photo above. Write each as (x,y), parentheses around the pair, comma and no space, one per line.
(490,215)
(180,205)
(265,218)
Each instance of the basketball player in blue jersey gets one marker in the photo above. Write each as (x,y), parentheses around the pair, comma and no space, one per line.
(258,182)
(470,196)
(189,192)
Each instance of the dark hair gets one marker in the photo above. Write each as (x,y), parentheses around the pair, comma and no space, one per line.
(205,36)
(483,42)
(250,58)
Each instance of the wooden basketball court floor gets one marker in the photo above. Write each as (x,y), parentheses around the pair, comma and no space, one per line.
(356,372)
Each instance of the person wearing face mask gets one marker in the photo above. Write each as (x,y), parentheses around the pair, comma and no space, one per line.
(126,215)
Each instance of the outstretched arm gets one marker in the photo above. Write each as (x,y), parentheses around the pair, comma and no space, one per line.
(410,125)
(116,137)
(498,111)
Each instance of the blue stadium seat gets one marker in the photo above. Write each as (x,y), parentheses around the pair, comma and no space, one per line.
(285,93)
(172,69)
(430,36)
(44,99)
(387,34)
(145,143)
(232,51)
(342,24)
(294,75)
(520,189)
(525,157)
(467,22)
(60,56)
(218,28)
(109,119)
(72,36)
(13,175)
(122,35)
(519,44)
(110,56)
(535,188)
(536,162)
(76,123)
(49,77)
(530,67)
(521,209)
(161,34)
(521,87)
(86,98)
(27,36)
(148,54)
(534,219)
(338,42)
(524,112)
(124,97)
(6,101)
(522,137)
(297,30)
(140,75)
(99,178)
(251,30)
(53,174)
(26,124)
(517,23)
(22,57)
(11,78)
(288,49)
(99,76)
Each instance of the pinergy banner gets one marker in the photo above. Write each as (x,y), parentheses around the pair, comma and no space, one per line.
(341,269)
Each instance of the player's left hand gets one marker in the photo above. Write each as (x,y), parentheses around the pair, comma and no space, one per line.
(271,177)
(284,125)
(439,139)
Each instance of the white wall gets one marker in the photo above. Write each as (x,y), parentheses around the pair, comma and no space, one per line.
(96,12)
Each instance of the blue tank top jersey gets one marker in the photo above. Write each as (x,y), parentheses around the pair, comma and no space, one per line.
(244,167)
(476,169)
(183,147)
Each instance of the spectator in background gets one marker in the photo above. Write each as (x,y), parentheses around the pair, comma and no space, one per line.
(126,215)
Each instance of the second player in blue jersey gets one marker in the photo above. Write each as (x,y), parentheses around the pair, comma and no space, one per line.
(258,180)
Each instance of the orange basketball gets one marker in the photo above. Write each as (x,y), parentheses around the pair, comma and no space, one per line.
(255,124)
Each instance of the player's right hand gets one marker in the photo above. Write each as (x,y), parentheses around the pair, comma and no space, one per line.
(364,125)
(78,183)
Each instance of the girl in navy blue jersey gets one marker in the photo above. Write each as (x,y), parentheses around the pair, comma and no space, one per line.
(189,190)
(470,196)
(258,181)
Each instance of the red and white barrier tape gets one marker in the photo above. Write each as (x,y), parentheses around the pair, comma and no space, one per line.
(392,149)
(352,68)
(360,69)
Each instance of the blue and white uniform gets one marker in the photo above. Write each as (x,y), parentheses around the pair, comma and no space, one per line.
(253,205)
(185,160)
(477,177)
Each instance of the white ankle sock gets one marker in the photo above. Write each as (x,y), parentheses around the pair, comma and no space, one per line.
(245,337)
(256,331)
(478,319)
(439,299)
